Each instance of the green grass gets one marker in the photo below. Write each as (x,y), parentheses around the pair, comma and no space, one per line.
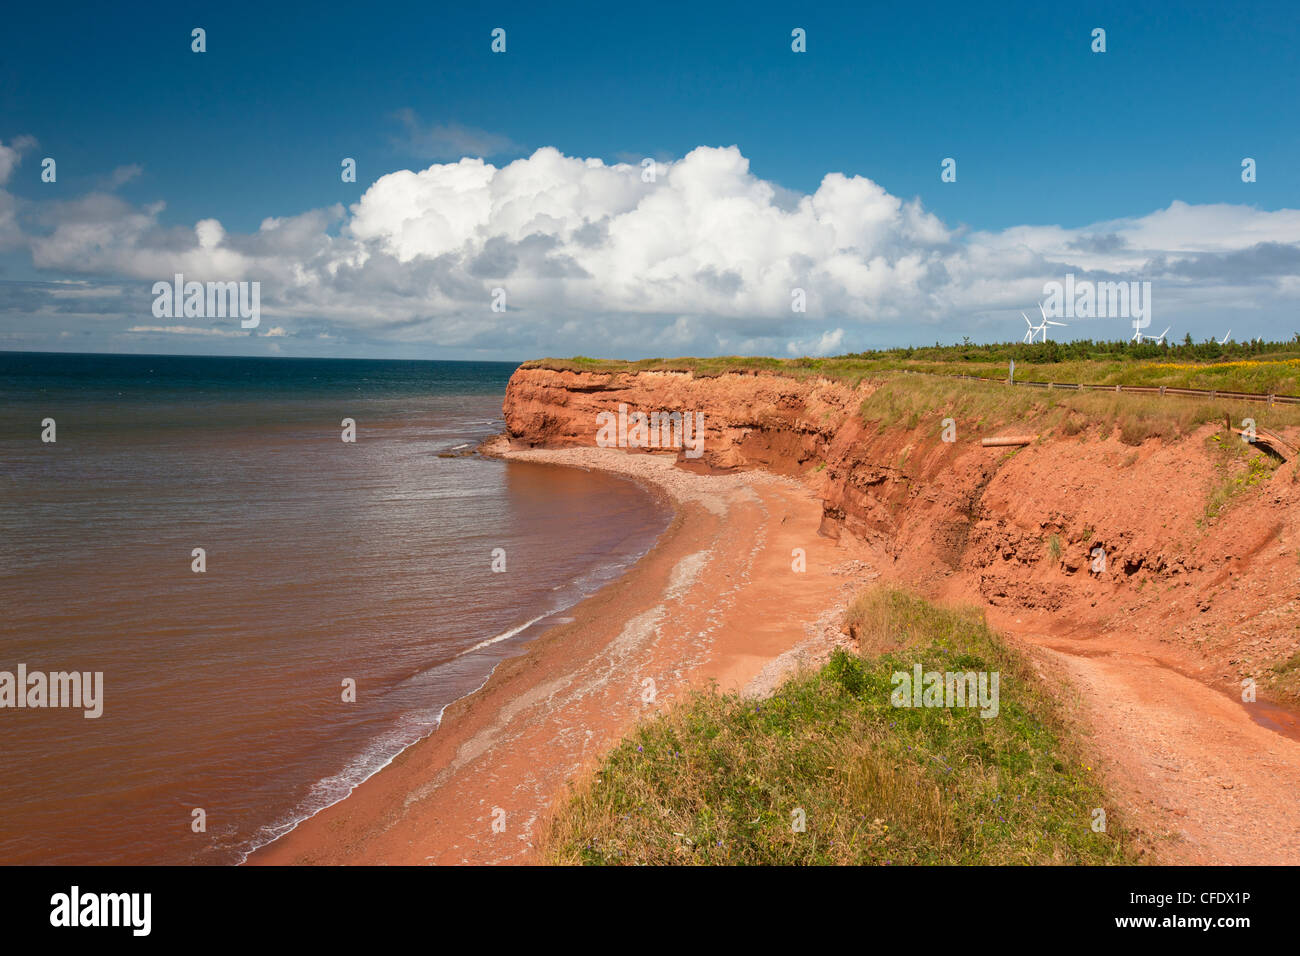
(718,779)
(912,401)
(1257,367)
(923,401)
(1240,467)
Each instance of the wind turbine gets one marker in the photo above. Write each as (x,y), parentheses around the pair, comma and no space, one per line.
(1224,340)
(1137,333)
(1029,334)
(1160,339)
(1046,322)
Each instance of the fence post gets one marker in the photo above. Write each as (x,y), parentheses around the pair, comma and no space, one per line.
(1162,391)
(1270,400)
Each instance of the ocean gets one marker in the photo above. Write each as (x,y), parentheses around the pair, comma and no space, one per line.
(227,709)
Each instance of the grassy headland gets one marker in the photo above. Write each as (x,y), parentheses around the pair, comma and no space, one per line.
(911,400)
(722,779)
(1259,367)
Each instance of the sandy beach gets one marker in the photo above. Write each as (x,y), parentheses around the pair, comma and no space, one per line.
(717,599)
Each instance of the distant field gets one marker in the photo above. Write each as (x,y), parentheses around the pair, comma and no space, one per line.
(1261,367)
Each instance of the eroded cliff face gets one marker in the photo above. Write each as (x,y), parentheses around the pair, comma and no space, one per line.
(1017,529)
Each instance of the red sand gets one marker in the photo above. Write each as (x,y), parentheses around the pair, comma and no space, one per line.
(716,599)
(1148,656)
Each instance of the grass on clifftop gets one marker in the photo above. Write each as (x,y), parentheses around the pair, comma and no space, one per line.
(913,400)
(718,779)
(1257,367)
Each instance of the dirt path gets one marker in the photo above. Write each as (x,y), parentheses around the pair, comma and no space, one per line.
(1200,591)
(1201,776)
(1207,778)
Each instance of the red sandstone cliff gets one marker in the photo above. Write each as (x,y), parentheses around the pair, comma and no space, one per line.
(1015,529)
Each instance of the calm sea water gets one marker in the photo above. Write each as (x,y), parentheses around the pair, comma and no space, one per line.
(325,562)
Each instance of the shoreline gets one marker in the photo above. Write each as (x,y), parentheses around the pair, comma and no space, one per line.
(548,621)
(712,600)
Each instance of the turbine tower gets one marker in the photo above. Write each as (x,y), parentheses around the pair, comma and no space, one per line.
(1046,322)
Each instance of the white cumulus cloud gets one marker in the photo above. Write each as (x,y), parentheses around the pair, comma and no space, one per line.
(704,258)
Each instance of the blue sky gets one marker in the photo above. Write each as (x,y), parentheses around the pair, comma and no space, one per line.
(1045,132)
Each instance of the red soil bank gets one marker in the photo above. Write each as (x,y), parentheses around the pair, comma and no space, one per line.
(1157,645)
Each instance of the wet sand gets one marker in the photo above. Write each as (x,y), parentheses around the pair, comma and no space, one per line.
(715,600)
